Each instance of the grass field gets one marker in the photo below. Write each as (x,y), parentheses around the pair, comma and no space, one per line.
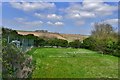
(73,63)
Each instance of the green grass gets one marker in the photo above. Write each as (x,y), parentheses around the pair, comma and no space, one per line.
(73,63)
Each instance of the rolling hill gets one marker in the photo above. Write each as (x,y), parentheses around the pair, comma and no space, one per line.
(69,37)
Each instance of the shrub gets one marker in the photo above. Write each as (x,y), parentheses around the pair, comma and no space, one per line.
(15,63)
(89,43)
(57,42)
(75,44)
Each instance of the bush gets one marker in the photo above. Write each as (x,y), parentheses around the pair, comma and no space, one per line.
(39,42)
(89,43)
(103,39)
(15,63)
(57,42)
(116,49)
(75,44)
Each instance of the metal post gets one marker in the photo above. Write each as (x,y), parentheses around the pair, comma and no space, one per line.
(8,38)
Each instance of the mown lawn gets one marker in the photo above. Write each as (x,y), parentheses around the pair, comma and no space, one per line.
(73,63)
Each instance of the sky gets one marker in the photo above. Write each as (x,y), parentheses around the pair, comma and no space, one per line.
(61,17)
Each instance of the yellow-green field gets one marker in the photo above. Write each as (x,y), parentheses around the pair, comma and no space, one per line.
(73,63)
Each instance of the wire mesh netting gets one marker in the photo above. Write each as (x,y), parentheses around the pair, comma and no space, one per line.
(23,44)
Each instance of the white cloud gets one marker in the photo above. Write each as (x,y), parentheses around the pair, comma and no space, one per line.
(34,23)
(81,15)
(108,21)
(89,9)
(76,11)
(59,23)
(39,15)
(54,16)
(27,6)
(74,16)
(55,24)
(86,14)
(111,21)
(23,21)
(99,7)
(49,23)
(91,5)
(49,16)
(20,19)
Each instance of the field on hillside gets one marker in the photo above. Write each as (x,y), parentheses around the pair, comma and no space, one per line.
(73,63)
(69,37)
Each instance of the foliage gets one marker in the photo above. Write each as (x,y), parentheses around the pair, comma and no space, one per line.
(103,39)
(89,43)
(13,68)
(116,51)
(12,34)
(63,43)
(39,42)
(15,64)
(75,44)
(57,42)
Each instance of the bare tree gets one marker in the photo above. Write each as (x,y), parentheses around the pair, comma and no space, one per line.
(102,31)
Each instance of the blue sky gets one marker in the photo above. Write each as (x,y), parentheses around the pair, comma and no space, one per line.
(62,17)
